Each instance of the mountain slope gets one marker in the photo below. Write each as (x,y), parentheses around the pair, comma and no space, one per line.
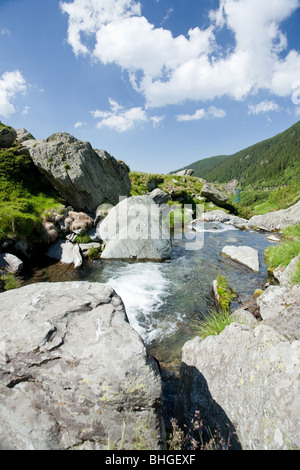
(275,161)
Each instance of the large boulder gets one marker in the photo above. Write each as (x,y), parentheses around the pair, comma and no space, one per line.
(277,220)
(23,135)
(185,173)
(244,255)
(73,373)
(246,380)
(84,177)
(214,195)
(134,230)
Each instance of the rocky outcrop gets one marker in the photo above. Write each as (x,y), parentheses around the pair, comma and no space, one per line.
(277,220)
(134,230)
(23,135)
(247,381)
(84,177)
(244,255)
(73,373)
(214,195)
(185,173)
(7,137)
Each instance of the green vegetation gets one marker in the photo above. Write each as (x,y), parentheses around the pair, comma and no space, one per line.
(93,253)
(23,197)
(10,281)
(275,159)
(283,253)
(181,189)
(268,173)
(225,293)
(214,323)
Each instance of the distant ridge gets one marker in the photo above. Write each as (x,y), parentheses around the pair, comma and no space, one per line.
(275,161)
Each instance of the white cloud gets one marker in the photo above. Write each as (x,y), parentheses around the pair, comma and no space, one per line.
(170,70)
(121,120)
(201,114)
(263,107)
(5,32)
(11,83)
(79,124)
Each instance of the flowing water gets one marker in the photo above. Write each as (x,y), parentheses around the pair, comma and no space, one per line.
(164,300)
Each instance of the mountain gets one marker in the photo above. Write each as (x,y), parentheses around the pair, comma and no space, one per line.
(275,161)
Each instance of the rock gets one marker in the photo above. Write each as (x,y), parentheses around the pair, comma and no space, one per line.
(159,196)
(247,379)
(214,195)
(10,263)
(133,229)
(284,275)
(23,135)
(185,173)
(153,182)
(73,373)
(272,238)
(244,255)
(275,299)
(102,211)
(50,232)
(221,216)
(277,220)
(78,222)
(66,252)
(84,177)
(7,137)
(86,247)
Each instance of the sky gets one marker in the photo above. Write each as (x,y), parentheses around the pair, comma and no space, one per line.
(159,84)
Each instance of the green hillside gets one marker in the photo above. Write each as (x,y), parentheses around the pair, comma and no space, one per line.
(275,161)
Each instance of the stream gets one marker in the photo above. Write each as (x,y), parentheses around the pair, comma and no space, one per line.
(165,300)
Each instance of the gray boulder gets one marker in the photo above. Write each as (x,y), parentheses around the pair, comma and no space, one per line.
(134,230)
(244,255)
(23,135)
(73,373)
(66,252)
(10,263)
(84,177)
(277,220)
(159,196)
(245,380)
(214,195)
(223,217)
(185,173)
(7,137)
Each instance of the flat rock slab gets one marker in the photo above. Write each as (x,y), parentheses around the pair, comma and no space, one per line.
(73,373)
(244,255)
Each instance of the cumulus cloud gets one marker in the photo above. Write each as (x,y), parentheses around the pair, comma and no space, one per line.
(263,107)
(201,114)
(170,70)
(11,83)
(120,119)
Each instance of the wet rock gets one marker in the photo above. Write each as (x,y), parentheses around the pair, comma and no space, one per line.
(244,255)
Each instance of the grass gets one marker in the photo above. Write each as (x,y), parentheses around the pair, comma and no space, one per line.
(10,281)
(214,323)
(24,197)
(283,253)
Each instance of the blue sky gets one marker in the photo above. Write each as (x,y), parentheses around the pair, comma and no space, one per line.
(156,83)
